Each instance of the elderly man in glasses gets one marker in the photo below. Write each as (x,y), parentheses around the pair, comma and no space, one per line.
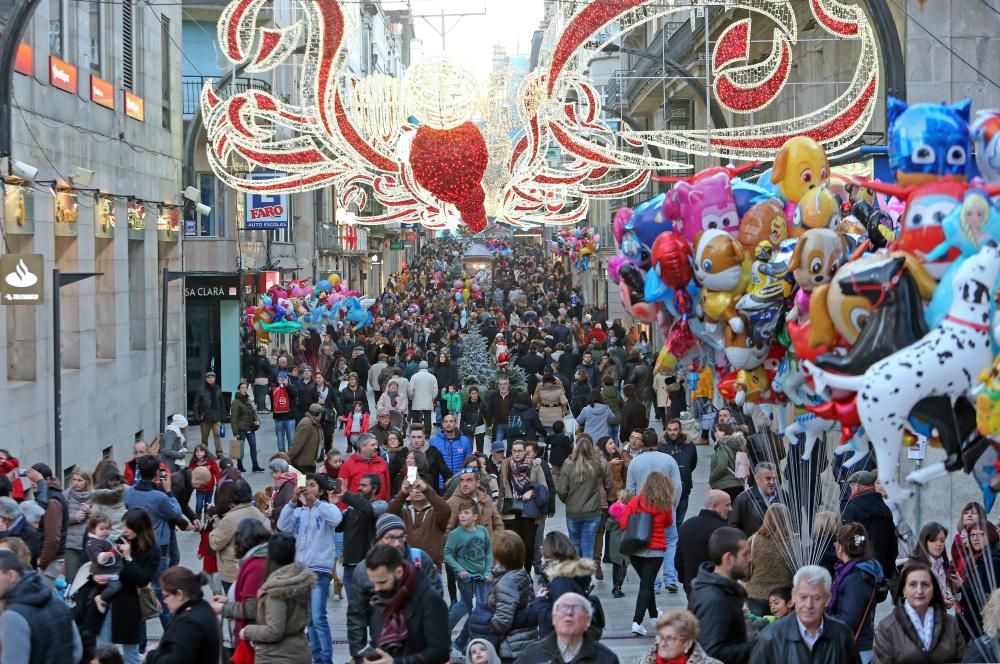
(569,642)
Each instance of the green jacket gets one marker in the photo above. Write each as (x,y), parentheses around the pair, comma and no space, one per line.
(612,398)
(453,401)
(242,414)
(722,474)
(586,497)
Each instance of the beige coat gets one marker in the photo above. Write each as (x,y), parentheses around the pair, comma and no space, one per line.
(551,402)
(222,538)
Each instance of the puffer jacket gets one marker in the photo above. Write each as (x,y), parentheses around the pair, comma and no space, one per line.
(242,414)
(550,400)
(724,463)
(282,616)
(718,604)
(112,503)
(561,577)
(509,598)
(612,398)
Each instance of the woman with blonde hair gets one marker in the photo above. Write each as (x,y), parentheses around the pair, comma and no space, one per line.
(823,550)
(656,497)
(677,641)
(770,558)
(986,648)
(78,507)
(583,485)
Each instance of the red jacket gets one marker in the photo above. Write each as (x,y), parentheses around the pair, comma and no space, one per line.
(355,467)
(662,519)
(348,421)
(131,475)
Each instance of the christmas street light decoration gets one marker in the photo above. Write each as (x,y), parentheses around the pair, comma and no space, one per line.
(525,150)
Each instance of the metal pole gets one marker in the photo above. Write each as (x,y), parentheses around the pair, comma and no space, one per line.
(918,505)
(708,90)
(163,346)
(56,377)
(444,32)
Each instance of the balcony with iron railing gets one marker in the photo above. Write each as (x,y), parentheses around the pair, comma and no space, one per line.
(194,84)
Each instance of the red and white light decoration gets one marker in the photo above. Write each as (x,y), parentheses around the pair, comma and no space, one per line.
(355,134)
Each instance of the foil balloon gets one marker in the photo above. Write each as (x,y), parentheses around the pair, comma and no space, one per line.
(747,194)
(800,165)
(986,137)
(764,221)
(818,208)
(928,141)
(671,256)
(648,221)
(620,222)
(631,288)
(705,205)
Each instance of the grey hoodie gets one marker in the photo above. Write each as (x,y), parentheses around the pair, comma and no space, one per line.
(315,531)
(491,653)
(594,419)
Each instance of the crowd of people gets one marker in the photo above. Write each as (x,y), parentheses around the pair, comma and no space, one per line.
(434,518)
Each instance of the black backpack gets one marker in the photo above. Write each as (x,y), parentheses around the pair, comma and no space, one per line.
(515,428)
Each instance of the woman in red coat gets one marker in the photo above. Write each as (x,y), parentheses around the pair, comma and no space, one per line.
(656,497)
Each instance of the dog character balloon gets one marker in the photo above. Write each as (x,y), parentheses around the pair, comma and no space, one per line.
(928,141)
(764,220)
(818,255)
(800,165)
(723,273)
(705,205)
(818,208)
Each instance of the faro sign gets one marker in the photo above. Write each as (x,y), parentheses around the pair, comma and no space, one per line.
(266,212)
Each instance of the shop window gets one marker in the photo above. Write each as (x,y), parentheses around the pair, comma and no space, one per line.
(213,194)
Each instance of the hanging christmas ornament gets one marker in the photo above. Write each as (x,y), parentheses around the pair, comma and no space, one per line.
(449,163)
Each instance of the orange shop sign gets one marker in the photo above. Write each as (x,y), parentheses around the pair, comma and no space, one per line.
(134,106)
(24,63)
(101,92)
(62,75)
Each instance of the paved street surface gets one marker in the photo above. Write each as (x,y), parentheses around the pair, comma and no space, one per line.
(617,611)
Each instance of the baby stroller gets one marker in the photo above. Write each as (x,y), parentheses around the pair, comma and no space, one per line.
(397,420)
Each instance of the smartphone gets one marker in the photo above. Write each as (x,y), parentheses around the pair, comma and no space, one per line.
(20,472)
(338,486)
(300,480)
(368,653)
(411,474)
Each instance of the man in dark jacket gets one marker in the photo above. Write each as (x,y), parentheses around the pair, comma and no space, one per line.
(634,414)
(692,545)
(360,365)
(302,393)
(208,410)
(868,508)
(676,444)
(569,641)
(717,597)
(54,521)
(36,626)
(389,529)
(807,636)
(358,525)
(500,403)
(533,363)
(749,506)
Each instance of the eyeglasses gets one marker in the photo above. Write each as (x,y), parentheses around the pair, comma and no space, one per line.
(468,471)
(571,609)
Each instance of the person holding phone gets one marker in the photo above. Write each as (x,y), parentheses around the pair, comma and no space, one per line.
(312,517)
(426,516)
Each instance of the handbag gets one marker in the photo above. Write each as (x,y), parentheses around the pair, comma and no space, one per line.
(244,653)
(149,605)
(236,449)
(637,533)
(512,505)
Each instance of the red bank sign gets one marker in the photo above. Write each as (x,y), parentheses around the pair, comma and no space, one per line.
(101,92)
(62,75)
(24,63)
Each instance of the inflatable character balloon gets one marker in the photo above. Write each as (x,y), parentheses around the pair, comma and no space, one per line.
(928,141)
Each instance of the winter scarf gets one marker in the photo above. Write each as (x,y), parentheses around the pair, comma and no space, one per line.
(394,629)
(177,430)
(841,570)
(519,478)
(859,490)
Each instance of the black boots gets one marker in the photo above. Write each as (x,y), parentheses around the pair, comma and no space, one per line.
(617,579)
(239,466)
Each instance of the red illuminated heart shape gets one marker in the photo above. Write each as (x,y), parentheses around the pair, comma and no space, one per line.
(450,164)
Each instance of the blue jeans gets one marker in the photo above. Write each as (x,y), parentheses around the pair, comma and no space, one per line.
(202,499)
(320,639)
(613,430)
(582,531)
(285,431)
(499,431)
(130,650)
(251,438)
(470,590)
(164,563)
(669,570)
(348,579)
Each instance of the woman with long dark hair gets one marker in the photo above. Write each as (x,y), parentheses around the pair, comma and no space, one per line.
(656,496)
(856,582)
(932,550)
(981,575)
(122,624)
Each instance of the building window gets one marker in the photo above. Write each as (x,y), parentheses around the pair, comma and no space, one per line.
(94,37)
(56,36)
(213,194)
(128,46)
(165,75)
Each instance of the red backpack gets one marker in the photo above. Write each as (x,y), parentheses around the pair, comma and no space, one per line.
(280,401)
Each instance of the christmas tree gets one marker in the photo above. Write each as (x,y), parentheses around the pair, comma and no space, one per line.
(475,366)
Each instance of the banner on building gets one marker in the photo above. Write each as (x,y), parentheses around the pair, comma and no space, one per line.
(266,212)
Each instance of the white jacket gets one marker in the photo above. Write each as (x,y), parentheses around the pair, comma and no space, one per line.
(373,375)
(423,390)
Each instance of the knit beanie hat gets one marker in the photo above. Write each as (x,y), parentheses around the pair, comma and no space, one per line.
(388,522)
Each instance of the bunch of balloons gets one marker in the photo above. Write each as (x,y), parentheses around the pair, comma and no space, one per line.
(499,247)
(853,306)
(297,306)
(467,289)
(577,244)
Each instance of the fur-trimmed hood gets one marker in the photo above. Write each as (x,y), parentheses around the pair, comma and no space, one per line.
(571,569)
(294,580)
(109,496)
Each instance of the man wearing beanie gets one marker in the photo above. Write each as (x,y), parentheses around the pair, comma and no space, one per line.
(389,529)
(222,538)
